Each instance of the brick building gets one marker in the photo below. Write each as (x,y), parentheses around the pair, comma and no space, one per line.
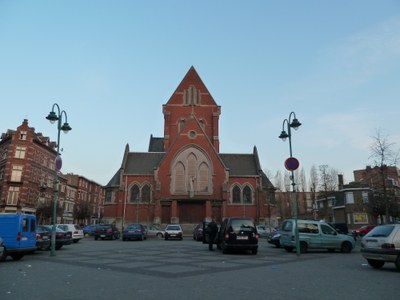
(89,196)
(183,177)
(26,169)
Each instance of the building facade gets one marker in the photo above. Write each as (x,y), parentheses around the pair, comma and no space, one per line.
(183,178)
(27,171)
(89,199)
(27,164)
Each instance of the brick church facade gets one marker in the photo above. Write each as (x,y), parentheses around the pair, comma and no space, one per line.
(183,178)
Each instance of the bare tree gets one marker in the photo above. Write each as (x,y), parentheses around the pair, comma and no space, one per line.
(382,152)
(313,181)
(383,156)
(328,179)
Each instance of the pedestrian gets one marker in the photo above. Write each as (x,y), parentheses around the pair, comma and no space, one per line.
(212,229)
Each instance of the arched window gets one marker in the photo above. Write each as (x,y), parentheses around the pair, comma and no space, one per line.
(236,194)
(191,173)
(135,192)
(247,195)
(203,177)
(181,124)
(146,194)
(179,176)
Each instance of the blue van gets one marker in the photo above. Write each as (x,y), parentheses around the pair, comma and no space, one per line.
(18,232)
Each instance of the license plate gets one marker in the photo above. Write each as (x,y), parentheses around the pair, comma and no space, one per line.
(102,235)
(45,237)
(242,237)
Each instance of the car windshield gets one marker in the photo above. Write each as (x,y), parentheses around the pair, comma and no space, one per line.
(381,231)
(132,227)
(244,225)
(173,227)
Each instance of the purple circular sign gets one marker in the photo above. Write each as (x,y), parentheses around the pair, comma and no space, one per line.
(58,163)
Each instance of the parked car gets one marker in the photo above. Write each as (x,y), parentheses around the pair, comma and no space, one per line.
(173,231)
(238,234)
(18,232)
(263,231)
(154,231)
(314,235)
(77,232)
(106,232)
(63,238)
(134,232)
(198,232)
(43,238)
(381,245)
(274,238)
(363,230)
(89,229)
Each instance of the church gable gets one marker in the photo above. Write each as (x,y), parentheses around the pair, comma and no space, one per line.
(191,91)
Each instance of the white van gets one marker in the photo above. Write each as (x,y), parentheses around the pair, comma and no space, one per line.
(314,235)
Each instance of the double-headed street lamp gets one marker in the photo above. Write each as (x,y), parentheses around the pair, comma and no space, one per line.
(292,164)
(52,117)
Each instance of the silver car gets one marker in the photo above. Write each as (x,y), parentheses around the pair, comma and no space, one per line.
(381,245)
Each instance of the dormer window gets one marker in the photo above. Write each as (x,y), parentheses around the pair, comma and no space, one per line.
(23,135)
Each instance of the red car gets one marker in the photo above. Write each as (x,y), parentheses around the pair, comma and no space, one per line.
(363,230)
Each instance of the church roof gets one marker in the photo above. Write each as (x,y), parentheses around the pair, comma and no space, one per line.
(143,163)
(240,164)
(156,144)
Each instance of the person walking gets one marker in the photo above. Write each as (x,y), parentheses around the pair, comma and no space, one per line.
(212,229)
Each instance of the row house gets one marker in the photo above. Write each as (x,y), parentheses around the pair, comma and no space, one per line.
(89,198)
(363,202)
(27,171)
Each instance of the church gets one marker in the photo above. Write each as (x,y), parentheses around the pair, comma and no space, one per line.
(183,178)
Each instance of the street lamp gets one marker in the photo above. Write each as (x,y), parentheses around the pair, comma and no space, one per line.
(292,164)
(52,117)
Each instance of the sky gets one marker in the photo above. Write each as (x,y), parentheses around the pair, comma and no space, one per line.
(111,65)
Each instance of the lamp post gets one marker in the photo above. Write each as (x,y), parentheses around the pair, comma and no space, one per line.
(292,164)
(52,117)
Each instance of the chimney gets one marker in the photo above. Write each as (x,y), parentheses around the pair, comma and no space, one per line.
(340,179)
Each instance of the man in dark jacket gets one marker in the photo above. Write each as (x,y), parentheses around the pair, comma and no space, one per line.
(212,229)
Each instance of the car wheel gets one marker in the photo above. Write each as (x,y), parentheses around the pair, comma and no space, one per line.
(96,238)
(288,249)
(75,241)
(4,255)
(58,247)
(346,247)
(376,264)
(331,250)
(396,263)
(159,235)
(166,238)
(254,251)
(303,247)
(17,256)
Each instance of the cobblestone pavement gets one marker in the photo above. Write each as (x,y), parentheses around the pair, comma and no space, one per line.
(161,258)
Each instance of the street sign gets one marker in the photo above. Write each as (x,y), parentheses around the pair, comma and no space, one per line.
(58,163)
(291,164)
